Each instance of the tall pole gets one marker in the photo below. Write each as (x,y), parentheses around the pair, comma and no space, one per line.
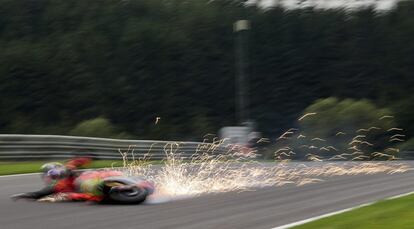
(240,29)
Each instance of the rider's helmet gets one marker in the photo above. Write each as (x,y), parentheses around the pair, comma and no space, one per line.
(57,173)
(51,165)
(46,168)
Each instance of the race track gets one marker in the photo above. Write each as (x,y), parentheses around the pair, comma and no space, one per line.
(264,208)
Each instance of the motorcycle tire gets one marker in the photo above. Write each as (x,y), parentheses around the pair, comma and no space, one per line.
(134,195)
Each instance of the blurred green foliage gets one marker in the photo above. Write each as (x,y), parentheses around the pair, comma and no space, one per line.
(63,62)
(98,127)
(339,122)
(10,167)
(348,115)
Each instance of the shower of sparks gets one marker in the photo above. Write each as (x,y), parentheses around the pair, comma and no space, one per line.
(285,135)
(397,135)
(362,130)
(394,129)
(353,148)
(386,116)
(369,129)
(332,148)
(204,172)
(217,166)
(157,119)
(306,115)
(355,141)
(301,136)
(393,149)
(264,140)
(396,140)
(374,128)
(358,136)
(367,143)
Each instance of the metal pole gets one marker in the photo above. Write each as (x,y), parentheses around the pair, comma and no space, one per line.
(241,28)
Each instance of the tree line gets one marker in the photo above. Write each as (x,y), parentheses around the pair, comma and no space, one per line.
(125,63)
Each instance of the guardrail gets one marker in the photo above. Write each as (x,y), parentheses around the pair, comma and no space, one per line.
(30,147)
(407,155)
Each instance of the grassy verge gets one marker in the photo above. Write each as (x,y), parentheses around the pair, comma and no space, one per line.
(396,213)
(8,168)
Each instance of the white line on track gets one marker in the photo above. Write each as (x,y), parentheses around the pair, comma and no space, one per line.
(398,196)
(26,174)
(18,175)
(297,223)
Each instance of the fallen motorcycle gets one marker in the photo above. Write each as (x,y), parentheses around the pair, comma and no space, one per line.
(64,183)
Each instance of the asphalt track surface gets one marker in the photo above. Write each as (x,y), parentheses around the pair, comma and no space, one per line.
(263,208)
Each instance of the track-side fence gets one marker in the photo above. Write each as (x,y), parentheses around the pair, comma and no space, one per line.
(32,147)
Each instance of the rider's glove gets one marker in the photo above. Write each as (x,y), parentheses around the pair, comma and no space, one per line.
(21,196)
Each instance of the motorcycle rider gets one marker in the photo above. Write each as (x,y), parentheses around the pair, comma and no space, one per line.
(97,186)
(58,178)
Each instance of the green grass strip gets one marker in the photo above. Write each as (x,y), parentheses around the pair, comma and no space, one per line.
(388,214)
(9,168)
